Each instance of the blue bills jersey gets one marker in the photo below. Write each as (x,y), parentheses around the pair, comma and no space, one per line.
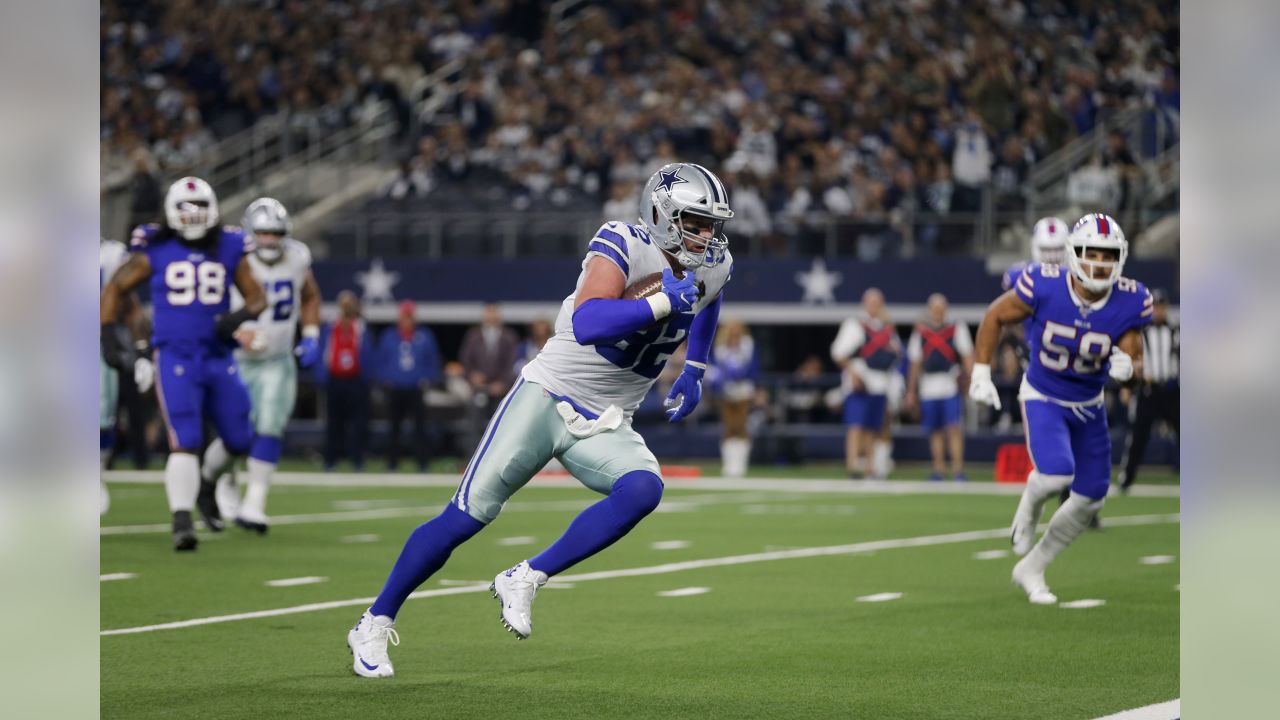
(1070,340)
(190,283)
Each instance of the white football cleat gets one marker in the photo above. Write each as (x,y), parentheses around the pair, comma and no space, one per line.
(1032,583)
(1023,533)
(250,519)
(368,643)
(515,589)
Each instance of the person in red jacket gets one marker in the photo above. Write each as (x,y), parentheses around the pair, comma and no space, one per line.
(348,366)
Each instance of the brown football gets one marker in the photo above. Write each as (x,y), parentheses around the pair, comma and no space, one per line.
(650,284)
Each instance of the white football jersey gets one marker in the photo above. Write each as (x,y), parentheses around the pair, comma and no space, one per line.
(111,255)
(593,377)
(282,283)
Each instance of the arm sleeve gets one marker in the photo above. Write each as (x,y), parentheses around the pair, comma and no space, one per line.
(847,341)
(604,321)
(702,332)
(914,347)
(964,343)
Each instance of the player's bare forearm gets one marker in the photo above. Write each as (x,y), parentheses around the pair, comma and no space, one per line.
(135,270)
(1131,343)
(255,300)
(1004,310)
(310,310)
(604,280)
(135,316)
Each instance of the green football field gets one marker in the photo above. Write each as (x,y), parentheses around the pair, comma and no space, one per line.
(792,598)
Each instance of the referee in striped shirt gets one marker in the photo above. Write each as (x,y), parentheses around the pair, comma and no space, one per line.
(1156,398)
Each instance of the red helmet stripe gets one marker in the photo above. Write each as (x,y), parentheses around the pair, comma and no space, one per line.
(1104,227)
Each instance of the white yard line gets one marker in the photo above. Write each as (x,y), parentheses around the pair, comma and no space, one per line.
(864,487)
(880,597)
(663,569)
(1082,604)
(117,576)
(1170,710)
(291,582)
(684,592)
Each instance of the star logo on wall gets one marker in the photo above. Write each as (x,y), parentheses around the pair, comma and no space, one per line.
(819,285)
(376,284)
(666,179)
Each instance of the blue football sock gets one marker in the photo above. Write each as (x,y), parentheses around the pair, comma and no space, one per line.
(266,448)
(425,552)
(634,496)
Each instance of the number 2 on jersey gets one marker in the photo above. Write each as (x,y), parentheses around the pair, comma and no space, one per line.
(281,298)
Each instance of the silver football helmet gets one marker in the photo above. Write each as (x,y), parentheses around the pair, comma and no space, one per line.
(191,208)
(671,205)
(268,222)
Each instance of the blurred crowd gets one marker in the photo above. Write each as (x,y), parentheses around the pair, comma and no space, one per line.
(857,109)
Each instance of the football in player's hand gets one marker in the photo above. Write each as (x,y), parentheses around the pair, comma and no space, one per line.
(651,284)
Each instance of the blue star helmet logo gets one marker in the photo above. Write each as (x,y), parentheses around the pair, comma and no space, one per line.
(667,179)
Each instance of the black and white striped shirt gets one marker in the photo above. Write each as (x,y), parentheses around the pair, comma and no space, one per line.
(1160,347)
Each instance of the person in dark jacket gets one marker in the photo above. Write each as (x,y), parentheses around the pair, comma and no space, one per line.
(408,360)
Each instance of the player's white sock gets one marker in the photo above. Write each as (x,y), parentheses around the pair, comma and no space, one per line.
(254,506)
(744,456)
(735,452)
(216,461)
(1066,525)
(882,459)
(1039,489)
(182,481)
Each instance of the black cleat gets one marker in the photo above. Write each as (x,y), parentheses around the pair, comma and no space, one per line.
(260,528)
(207,503)
(184,532)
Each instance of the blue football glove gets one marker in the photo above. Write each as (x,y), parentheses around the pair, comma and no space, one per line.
(308,351)
(682,292)
(688,387)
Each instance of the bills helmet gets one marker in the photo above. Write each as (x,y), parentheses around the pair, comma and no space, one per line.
(191,208)
(1099,232)
(1049,241)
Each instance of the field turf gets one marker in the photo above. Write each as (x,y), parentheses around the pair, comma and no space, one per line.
(767,633)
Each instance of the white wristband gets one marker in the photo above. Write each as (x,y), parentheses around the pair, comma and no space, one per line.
(660,304)
(310,331)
